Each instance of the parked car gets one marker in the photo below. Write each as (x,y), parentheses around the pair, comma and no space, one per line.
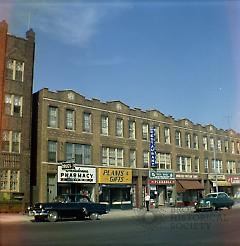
(54,211)
(214,201)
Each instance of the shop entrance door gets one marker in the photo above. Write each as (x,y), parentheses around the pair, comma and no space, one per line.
(161,196)
(51,187)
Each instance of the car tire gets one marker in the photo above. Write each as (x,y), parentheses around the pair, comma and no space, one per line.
(94,216)
(52,216)
(214,208)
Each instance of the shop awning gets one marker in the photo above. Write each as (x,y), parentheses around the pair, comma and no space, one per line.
(221,183)
(189,185)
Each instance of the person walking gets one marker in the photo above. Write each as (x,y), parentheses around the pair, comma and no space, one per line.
(147,201)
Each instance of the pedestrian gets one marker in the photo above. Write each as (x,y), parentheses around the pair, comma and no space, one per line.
(147,201)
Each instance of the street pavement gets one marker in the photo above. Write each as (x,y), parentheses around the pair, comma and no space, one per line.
(113,214)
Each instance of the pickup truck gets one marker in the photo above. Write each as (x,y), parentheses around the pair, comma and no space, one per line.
(54,211)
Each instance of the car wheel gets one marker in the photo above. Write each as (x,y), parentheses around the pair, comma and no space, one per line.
(94,216)
(214,208)
(52,216)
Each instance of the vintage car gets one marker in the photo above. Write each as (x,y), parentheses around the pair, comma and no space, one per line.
(214,201)
(54,211)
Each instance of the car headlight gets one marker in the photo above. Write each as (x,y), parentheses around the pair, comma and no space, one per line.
(195,203)
(40,206)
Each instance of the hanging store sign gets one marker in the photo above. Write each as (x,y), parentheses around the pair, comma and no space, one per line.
(161,175)
(77,175)
(114,176)
(161,182)
(152,148)
(216,176)
(234,179)
(186,176)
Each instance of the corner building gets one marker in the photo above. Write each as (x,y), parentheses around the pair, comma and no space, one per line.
(16,81)
(83,146)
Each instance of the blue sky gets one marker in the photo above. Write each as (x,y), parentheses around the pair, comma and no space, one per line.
(179,57)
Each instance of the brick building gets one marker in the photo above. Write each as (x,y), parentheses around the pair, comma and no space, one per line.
(102,149)
(16,81)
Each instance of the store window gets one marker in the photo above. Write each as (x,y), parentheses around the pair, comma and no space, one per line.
(9,180)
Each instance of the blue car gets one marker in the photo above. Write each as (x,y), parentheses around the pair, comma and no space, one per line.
(214,201)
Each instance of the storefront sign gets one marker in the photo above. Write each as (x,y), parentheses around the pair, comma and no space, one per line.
(77,175)
(114,176)
(152,148)
(163,182)
(234,179)
(186,176)
(160,175)
(219,176)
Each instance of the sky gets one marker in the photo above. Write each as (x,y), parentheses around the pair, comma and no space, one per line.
(181,57)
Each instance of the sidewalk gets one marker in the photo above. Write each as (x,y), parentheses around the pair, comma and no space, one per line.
(113,214)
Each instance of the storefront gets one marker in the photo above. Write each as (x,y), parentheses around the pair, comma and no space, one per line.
(115,187)
(234,180)
(188,188)
(219,183)
(161,184)
(76,181)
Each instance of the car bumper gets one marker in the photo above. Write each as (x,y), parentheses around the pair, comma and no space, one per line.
(38,213)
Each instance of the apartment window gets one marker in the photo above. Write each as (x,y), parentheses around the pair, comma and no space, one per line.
(206,166)
(238,148)
(188,140)
(231,167)
(104,125)
(164,160)
(11,141)
(16,142)
(80,153)
(216,166)
(52,116)
(52,151)
(13,105)
(131,128)
(15,70)
(14,180)
(157,135)
(86,122)
(8,104)
(196,165)
(233,147)
(195,141)
(178,138)
(219,145)
(6,141)
(9,180)
(70,119)
(212,144)
(119,127)
(145,159)
(205,143)
(238,167)
(112,156)
(132,158)
(167,135)
(226,145)
(184,164)
(145,131)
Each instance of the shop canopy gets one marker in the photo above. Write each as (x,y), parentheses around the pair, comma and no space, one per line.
(222,183)
(183,185)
